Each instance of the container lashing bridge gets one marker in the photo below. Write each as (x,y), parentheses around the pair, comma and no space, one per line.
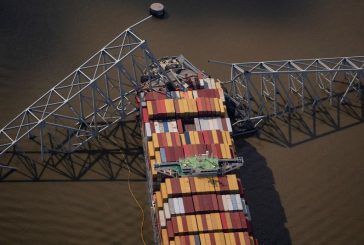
(101,93)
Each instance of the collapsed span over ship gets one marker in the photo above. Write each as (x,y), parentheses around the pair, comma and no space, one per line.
(195,196)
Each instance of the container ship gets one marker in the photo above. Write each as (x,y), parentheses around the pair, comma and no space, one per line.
(195,196)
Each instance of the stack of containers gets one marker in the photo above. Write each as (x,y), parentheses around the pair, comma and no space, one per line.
(194,210)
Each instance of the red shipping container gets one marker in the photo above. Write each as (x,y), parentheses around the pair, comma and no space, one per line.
(184,223)
(223,221)
(215,204)
(188,205)
(237,239)
(168,154)
(155,109)
(204,222)
(235,220)
(219,137)
(176,187)
(241,190)
(186,151)
(179,126)
(170,229)
(206,137)
(164,139)
(192,184)
(203,107)
(219,152)
(223,183)
(196,202)
(200,137)
(174,225)
(145,116)
(243,220)
(220,202)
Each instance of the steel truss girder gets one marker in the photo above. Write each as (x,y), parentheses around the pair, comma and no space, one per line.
(271,88)
(98,94)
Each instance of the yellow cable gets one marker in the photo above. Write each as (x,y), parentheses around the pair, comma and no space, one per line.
(141,209)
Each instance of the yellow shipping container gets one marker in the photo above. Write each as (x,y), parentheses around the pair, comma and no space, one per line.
(172,243)
(199,222)
(227,239)
(228,153)
(158,157)
(232,239)
(214,137)
(203,240)
(155,140)
(222,107)
(217,105)
(164,191)
(185,185)
(216,184)
(169,187)
(183,139)
(195,135)
(165,239)
(158,196)
(223,151)
(149,108)
(192,137)
(219,238)
(185,107)
(151,149)
(190,94)
(154,172)
(233,182)
(209,222)
(241,238)
(180,224)
(177,240)
(169,139)
(228,137)
(207,238)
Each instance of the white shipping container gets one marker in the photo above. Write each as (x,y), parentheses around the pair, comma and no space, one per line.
(229,203)
(161,127)
(212,81)
(197,124)
(211,124)
(172,125)
(224,203)
(181,206)
(216,125)
(148,130)
(238,202)
(244,206)
(176,206)
(195,94)
(201,83)
(171,206)
(219,124)
(228,123)
(167,213)
(156,127)
(162,219)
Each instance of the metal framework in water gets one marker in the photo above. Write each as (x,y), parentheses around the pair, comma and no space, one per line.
(101,93)
(272,88)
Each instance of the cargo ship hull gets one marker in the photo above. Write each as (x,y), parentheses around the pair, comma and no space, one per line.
(190,157)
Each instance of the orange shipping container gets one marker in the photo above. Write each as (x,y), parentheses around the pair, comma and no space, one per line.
(155,140)
(158,157)
(169,187)
(151,149)
(164,191)
(185,185)
(154,172)
(150,109)
(233,183)
(158,196)
(165,237)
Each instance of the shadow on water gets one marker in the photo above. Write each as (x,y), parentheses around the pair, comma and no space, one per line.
(108,157)
(268,216)
(316,121)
